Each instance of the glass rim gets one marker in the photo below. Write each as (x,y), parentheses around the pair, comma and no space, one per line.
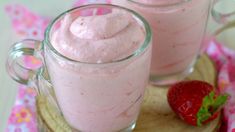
(137,52)
(160,5)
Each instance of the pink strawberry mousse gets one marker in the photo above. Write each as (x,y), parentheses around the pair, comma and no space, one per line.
(99,93)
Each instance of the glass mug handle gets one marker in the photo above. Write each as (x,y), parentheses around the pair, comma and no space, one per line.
(223,17)
(15,62)
(220,18)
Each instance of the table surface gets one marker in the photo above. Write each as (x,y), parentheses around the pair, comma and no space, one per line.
(8,87)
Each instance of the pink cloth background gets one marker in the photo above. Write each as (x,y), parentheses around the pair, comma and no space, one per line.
(27,24)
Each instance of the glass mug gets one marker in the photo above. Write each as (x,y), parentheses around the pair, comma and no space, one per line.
(91,96)
(178,34)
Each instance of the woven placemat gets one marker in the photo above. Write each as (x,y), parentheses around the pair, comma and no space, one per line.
(155,116)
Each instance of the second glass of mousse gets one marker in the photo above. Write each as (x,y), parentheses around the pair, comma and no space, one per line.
(178,31)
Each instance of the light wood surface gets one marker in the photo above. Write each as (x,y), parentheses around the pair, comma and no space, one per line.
(155,116)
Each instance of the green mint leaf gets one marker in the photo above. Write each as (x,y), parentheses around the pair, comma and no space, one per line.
(220,101)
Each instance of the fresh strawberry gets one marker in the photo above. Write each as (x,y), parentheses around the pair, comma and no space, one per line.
(195,102)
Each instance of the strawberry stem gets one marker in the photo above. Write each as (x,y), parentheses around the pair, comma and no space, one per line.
(210,105)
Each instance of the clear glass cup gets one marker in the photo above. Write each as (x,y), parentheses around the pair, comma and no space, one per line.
(178,33)
(94,97)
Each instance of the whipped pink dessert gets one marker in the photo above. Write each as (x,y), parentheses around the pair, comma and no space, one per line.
(178,29)
(101,92)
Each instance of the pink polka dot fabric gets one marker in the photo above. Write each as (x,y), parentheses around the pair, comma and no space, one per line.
(27,24)
(224,59)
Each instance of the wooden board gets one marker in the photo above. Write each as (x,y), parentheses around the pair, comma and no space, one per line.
(155,116)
